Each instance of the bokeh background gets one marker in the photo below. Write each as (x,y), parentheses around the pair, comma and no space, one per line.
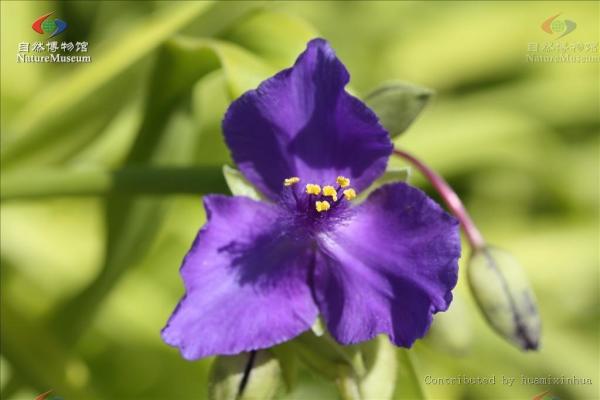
(90,256)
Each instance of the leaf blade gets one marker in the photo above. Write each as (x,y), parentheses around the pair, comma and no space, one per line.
(397,104)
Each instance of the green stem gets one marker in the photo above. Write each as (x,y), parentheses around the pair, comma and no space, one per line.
(127,181)
(451,199)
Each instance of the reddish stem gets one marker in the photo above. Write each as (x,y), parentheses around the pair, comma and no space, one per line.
(450,198)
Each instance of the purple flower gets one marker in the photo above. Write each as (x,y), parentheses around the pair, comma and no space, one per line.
(259,273)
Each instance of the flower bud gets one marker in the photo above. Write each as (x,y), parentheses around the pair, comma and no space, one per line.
(505,297)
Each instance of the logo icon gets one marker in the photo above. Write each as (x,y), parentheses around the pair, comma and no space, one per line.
(44,25)
(545,396)
(553,25)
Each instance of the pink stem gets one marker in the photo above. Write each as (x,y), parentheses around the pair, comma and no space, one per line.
(450,198)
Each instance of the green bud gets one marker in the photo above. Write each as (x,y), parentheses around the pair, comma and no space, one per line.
(397,104)
(244,377)
(505,297)
(364,371)
(323,355)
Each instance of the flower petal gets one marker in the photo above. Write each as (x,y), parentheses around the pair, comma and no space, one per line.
(388,268)
(302,122)
(245,280)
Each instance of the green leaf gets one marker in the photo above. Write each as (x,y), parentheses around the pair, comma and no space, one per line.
(380,380)
(504,296)
(245,377)
(239,185)
(288,362)
(210,101)
(409,384)
(397,104)
(393,174)
(348,383)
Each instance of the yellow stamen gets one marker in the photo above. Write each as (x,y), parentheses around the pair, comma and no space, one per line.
(291,181)
(349,194)
(330,191)
(313,189)
(343,181)
(322,205)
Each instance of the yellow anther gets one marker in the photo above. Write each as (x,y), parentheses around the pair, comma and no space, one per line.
(349,194)
(330,191)
(322,205)
(343,181)
(313,189)
(291,181)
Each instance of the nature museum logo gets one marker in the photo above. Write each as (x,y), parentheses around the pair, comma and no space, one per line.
(44,25)
(571,50)
(51,51)
(553,25)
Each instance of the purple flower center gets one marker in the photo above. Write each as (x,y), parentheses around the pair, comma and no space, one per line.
(314,208)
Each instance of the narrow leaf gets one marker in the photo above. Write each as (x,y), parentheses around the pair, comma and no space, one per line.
(409,384)
(288,361)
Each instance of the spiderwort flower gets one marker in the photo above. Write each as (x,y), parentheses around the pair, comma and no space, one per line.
(260,272)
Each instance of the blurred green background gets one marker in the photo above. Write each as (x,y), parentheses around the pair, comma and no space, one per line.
(92,236)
